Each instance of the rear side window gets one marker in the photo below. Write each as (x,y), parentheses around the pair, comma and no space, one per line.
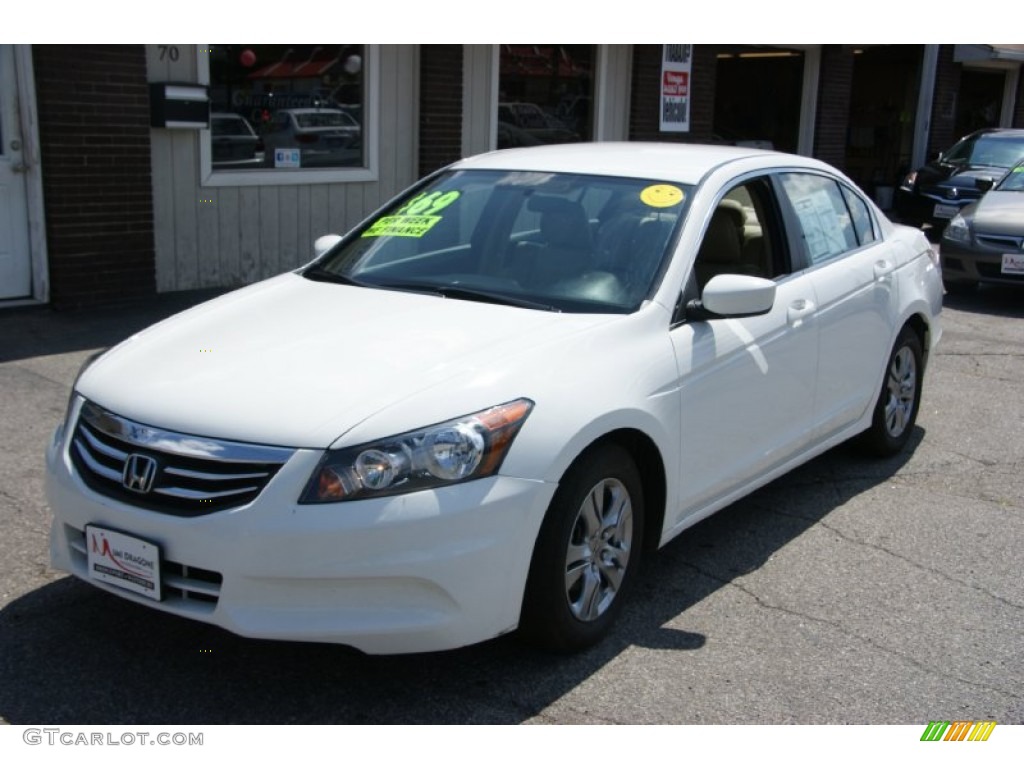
(862,222)
(825,221)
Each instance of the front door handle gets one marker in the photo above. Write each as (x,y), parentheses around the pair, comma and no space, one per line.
(798,310)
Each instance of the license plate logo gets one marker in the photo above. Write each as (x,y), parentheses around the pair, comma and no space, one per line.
(1013,264)
(124,561)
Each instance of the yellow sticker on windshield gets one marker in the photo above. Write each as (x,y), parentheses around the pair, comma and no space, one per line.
(661,195)
(402,226)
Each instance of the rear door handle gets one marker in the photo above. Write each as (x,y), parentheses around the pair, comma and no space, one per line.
(883,268)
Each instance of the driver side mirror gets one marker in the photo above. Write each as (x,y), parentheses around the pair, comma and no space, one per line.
(324,243)
(732,296)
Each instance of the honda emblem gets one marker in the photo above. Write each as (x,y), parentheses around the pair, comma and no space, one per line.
(139,473)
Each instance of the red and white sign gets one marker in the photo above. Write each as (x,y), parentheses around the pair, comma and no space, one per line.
(675,88)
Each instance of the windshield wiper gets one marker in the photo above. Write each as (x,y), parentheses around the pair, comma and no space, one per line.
(473,294)
(467,294)
(326,276)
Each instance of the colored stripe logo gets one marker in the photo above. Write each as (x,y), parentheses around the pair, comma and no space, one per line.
(958,730)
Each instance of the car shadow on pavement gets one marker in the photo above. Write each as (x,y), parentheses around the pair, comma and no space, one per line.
(995,300)
(70,653)
(40,331)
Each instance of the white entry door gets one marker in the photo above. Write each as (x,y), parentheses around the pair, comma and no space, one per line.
(15,258)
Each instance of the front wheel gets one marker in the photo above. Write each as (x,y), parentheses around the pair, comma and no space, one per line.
(587,552)
(896,409)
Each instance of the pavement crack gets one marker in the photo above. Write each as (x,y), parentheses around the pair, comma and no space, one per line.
(762,603)
(898,556)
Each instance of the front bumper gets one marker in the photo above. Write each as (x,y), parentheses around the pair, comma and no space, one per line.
(973,262)
(418,572)
(917,208)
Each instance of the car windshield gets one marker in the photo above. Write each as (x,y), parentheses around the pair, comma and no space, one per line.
(565,242)
(230,126)
(991,149)
(1013,181)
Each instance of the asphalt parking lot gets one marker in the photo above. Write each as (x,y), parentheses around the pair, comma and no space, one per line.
(849,591)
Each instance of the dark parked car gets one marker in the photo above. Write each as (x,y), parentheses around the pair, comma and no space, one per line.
(985,241)
(937,192)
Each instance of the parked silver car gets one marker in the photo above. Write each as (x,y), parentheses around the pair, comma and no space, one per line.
(985,241)
(313,137)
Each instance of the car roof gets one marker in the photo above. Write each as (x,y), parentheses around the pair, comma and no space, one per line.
(684,163)
(1007,132)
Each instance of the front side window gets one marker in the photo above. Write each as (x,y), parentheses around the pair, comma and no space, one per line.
(287,107)
(825,221)
(743,236)
(564,242)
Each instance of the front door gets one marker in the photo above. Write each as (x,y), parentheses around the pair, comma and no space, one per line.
(15,259)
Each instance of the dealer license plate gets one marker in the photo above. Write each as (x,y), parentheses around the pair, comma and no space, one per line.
(945,211)
(124,561)
(1013,263)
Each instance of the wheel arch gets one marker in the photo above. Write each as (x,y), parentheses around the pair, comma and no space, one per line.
(919,325)
(651,466)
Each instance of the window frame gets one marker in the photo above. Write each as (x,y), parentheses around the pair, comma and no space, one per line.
(369,171)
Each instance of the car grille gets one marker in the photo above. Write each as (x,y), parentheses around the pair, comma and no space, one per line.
(188,588)
(1000,242)
(168,472)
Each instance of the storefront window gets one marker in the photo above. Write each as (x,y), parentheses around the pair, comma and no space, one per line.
(545,94)
(287,107)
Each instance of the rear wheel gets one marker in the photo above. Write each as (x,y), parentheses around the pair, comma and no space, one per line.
(896,409)
(587,552)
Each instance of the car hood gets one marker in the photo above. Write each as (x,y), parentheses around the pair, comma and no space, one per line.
(1000,213)
(956,175)
(297,363)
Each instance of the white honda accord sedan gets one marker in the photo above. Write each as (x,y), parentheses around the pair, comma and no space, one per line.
(481,407)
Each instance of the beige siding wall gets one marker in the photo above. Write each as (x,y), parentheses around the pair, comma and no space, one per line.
(209,236)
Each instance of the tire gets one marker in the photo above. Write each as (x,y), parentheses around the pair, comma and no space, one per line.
(896,409)
(587,552)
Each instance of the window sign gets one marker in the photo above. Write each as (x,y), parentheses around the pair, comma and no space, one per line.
(287,107)
(675,88)
(824,218)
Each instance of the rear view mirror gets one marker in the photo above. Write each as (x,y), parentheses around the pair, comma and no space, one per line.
(984,184)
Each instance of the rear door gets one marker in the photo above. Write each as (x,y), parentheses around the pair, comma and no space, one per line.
(852,270)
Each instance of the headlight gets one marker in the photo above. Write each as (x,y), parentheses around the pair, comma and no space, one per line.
(909,181)
(74,385)
(957,230)
(466,448)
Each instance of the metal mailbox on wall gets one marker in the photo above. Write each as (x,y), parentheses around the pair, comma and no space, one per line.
(179,105)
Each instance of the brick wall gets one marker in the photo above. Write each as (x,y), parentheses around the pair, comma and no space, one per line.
(835,84)
(93,105)
(440,106)
(947,87)
(645,99)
